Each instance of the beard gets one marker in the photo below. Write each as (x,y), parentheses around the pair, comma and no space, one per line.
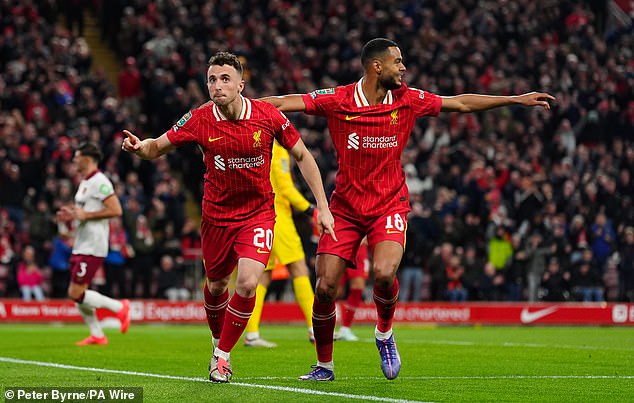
(389,83)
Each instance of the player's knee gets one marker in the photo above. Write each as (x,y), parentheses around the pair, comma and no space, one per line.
(75,295)
(384,274)
(246,287)
(325,292)
(250,286)
(217,287)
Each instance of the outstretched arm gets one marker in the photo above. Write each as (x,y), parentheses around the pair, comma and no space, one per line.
(476,103)
(147,149)
(287,103)
(310,172)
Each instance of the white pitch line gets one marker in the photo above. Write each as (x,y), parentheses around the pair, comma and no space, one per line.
(494,377)
(191,379)
(509,344)
(475,377)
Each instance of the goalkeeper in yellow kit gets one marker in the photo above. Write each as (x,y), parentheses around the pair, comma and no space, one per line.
(287,248)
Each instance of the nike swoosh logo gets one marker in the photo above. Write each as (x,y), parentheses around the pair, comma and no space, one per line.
(262,251)
(391,231)
(348,117)
(530,317)
(214,139)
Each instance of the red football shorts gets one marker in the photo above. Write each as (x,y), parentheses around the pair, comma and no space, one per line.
(222,247)
(350,232)
(84,267)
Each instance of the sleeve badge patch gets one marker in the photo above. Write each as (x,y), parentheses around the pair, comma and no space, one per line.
(105,189)
(324,91)
(181,122)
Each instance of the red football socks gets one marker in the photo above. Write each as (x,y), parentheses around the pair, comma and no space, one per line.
(324,318)
(238,314)
(385,301)
(215,307)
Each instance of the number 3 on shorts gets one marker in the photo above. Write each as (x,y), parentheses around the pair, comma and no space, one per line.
(83,268)
(263,238)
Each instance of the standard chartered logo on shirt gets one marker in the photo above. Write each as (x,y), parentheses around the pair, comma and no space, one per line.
(238,163)
(219,162)
(371,142)
(380,142)
(353,141)
(245,162)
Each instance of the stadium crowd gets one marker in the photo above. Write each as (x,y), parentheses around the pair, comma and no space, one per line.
(511,204)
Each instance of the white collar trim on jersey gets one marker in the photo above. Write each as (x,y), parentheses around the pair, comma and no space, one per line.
(245,113)
(361,100)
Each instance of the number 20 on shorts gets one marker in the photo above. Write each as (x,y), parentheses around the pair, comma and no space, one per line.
(263,238)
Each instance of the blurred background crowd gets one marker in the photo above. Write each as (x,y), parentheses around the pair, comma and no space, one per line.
(507,205)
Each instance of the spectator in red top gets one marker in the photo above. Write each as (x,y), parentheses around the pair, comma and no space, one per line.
(455,290)
(36,111)
(63,153)
(130,86)
(577,19)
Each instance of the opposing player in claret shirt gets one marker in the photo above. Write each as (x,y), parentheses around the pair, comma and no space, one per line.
(236,135)
(370,122)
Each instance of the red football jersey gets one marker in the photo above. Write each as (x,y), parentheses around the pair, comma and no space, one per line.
(237,155)
(369,140)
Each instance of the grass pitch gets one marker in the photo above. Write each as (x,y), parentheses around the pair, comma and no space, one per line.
(441,364)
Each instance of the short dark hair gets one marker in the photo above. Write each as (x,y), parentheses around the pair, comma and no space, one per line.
(222,58)
(374,48)
(90,150)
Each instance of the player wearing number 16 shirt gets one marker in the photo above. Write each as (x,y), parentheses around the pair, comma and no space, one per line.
(370,122)
(236,136)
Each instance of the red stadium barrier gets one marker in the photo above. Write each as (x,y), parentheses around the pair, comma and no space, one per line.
(153,311)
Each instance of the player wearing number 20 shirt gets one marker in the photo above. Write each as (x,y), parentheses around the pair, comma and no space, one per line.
(237,154)
(369,140)
(236,136)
